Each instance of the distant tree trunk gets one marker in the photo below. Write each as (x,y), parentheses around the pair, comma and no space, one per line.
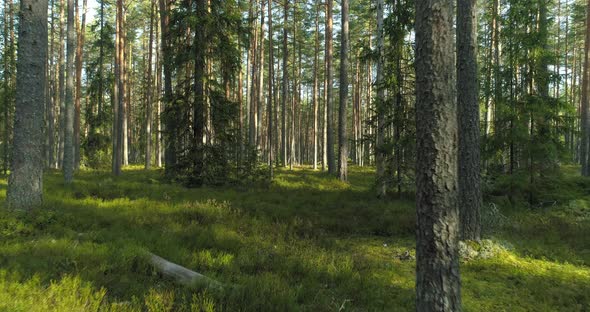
(285,84)
(118,93)
(260,85)
(316,64)
(253,61)
(61,91)
(342,131)
(100,66)
(380,154)
(169,123)
(293,95)
(199,93)
(585,118)
(438,286)
(468,108)
(270,89)
(69,157)
(158,97)
(149,93)
(25,184)
(329,107)
(79,61)
(124,93)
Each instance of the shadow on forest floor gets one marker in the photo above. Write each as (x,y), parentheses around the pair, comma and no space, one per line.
(307,242)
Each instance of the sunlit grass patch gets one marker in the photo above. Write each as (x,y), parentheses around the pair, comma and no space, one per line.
(307,242)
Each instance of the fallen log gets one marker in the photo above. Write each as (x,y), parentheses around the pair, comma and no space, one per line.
(181,274)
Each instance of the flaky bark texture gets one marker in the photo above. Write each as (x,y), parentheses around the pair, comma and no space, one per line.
(438,286)
(342,118)
(468,106)
(25,185)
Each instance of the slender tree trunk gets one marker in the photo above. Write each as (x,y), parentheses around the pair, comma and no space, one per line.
(199,92)
(438,286)
(149,93)
(468,108)
(585,118)
(79,64)
(61,91)
(270,89)
(69,157)
(342,124)
(316,64)
(285,83)
(25,184)
(118,94)
(169,123)
(329,107)
(124,93)
(380,153)
(158,95)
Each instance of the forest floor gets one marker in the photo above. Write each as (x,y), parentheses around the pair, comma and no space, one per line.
(305,243)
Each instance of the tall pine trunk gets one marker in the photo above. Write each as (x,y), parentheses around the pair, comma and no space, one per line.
(468,108)
(342,124)
(585,115)
(438,286)
(380,154)
(25,184)
(68,160)
(329,105)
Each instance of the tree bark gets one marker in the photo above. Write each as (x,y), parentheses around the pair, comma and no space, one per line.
(61,91)
(342,124)
(585,115)
(68,160)
(149,93)
(78,92)
(470,200)
(285,84)
(270,90)
(25,184)
(329,107)
(199,90)
(380,154)
(315,88)
(437,263)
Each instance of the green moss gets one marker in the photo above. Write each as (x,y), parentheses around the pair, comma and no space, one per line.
(307,242)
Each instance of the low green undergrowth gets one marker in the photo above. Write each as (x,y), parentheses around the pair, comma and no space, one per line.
(307,242)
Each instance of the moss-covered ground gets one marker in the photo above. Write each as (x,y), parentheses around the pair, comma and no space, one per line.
(304,243)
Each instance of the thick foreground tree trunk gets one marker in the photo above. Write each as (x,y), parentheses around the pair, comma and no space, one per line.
(438,286)
(25,185)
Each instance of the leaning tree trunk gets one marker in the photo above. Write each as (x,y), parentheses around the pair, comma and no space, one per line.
(25,185)
(468,107)
(342,134)
(438,286)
